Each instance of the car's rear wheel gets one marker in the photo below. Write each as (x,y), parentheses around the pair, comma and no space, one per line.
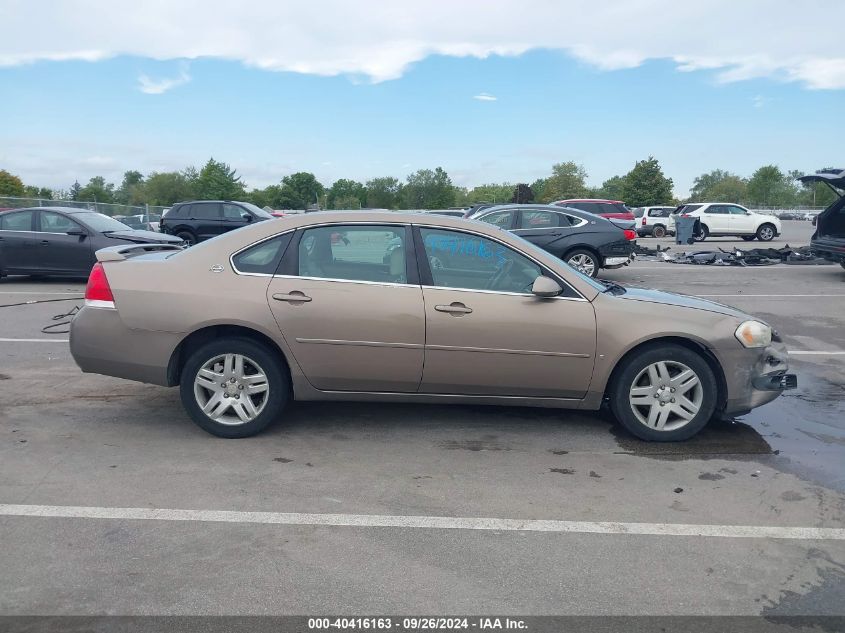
(665,393)
(766,233)
(234,387)
(748,238)
(584,261)
(702,234)
(659,231)
(189,238)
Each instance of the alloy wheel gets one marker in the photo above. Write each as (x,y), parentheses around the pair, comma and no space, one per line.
(583,263)
(766,233)
(231,389)
(666,395)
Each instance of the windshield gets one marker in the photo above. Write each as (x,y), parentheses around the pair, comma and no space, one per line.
(686,208)
(101,223)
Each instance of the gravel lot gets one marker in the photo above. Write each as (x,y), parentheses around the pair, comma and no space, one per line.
(68,439)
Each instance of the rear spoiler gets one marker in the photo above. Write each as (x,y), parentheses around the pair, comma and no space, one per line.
(119,253)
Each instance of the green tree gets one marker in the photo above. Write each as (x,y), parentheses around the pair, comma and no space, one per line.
(490,193)
(427,189)
(767,186)
(612,189)
(42,193)
(167,188)
(218,181)
(568,180)
(298,191)
(383,193)
(538,187)
(347,194)
(814,194)
(97,190)
(718,186)
(75,188)
(10,185)
(131,190)
(646,185)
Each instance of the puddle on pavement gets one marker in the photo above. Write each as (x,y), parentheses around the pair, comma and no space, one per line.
(717,440)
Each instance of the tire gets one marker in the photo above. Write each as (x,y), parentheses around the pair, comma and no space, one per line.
(186,236)
(748,238)
(233,417)
(766,232)
(583,260)
(705,233)
(634,373)
(658,231)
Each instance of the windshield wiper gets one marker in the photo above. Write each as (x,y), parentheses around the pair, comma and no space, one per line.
(613,287)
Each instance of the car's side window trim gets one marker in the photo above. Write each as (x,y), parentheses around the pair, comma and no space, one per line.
(427,280)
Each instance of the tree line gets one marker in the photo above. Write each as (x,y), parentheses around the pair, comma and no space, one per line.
(644,185)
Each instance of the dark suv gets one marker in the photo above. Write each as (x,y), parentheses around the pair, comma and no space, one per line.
(203,219)
(828,240)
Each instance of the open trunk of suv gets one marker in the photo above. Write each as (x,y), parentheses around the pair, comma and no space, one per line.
(829,239)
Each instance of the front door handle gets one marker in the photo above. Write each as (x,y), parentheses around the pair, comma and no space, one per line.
(455,308)
(292,297)
(45,242)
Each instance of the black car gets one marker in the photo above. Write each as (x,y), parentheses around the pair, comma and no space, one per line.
(583,240)
(203,219)
(61,241)
(828,240)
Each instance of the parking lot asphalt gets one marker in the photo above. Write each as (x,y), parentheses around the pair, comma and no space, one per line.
(628,513)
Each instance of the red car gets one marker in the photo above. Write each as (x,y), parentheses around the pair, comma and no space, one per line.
(611,209)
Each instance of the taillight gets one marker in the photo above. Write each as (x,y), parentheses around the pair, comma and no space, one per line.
(630,234)
(643,220)
(98,292)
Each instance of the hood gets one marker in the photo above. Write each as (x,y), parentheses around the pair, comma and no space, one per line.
(143,237)
(682,301)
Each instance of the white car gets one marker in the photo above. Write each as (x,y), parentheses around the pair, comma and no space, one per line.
(654,221)
(719,219)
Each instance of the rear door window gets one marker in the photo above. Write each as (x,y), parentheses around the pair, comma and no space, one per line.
(18,221)
(502,219)
(354,253)
(205,211)
(539,219)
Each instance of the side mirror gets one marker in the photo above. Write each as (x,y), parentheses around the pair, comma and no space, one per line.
(247,216)
(546,287)
(78,232)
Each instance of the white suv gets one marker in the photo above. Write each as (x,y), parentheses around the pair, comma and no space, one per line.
(654,221)
(723,218)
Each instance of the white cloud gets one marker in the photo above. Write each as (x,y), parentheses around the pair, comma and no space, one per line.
(160,86)
(485,97)
(759,101)
(736,40)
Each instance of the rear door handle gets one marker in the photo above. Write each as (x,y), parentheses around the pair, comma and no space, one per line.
(45,242)
(456,308)
(292,297)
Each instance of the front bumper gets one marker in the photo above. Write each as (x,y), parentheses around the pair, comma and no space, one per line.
(101,343)
(755,377)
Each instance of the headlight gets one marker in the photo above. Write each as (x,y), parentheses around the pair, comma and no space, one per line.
(754,334)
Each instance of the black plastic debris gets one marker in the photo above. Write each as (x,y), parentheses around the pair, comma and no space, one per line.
(748,257)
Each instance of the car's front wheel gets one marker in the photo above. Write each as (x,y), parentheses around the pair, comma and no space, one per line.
(583,261)
(664,393)
(766,233)
(234,387)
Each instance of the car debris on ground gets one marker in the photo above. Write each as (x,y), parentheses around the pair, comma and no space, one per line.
(734,257)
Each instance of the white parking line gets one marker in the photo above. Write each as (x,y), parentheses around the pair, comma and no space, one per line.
(800,353)
(34,340)
(426,522)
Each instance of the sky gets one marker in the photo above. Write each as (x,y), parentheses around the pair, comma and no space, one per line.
(493,91)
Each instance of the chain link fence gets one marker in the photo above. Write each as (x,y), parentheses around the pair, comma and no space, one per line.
(7,202)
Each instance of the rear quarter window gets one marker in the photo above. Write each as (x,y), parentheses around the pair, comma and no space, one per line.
(263,258)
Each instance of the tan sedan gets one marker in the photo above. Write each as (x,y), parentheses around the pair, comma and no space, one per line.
(412,308)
